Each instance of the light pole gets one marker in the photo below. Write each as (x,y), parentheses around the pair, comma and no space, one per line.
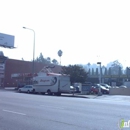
(33,49)
(100,80)
(103,73)
(100,77)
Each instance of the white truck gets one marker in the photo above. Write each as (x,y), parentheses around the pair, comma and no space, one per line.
(52,83)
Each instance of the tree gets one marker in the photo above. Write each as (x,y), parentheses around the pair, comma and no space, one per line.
(42,59)
(105,73)
(116,67)
(89,72)
(60,54)
(120,71)
(88,65)
(92,71)
(116,63)
(77,73)
(96,71)
(109,71)
(54,61)
(48,59)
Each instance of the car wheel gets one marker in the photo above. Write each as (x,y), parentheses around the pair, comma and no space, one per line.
(33,91)
(28,91)
(58,94)
(19,91)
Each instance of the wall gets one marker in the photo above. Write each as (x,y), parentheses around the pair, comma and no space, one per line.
(119,91)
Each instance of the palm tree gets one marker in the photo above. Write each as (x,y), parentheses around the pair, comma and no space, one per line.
(60,54)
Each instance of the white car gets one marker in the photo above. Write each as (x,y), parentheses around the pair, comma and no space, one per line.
(105,85)
(123,86)
(27,89)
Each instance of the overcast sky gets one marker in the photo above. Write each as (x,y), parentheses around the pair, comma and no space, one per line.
(85,30)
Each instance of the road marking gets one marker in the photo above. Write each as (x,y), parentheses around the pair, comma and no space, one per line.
(53,107)
(14,112)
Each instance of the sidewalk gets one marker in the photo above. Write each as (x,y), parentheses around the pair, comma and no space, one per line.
(64,94)
(87,96)
(8,88)
(80,95)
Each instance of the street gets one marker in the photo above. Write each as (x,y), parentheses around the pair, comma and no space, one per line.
(21,111)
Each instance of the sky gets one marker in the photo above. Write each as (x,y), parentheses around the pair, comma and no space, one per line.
(85,30)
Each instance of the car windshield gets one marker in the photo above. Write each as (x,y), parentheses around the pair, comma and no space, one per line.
(101,86)
(106,85)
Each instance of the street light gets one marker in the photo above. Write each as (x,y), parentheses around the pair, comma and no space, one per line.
(103,73)
(100,80)
(99,92)
(33,48)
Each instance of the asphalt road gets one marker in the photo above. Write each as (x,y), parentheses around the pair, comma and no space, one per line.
(19,111)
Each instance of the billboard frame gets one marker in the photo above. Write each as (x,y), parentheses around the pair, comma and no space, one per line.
(7,41)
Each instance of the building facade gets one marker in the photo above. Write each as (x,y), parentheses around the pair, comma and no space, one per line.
(12,67)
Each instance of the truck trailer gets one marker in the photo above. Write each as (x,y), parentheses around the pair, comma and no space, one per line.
(51,83)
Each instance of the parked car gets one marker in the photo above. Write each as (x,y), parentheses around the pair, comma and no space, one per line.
(20,85)
(105,85)
(95,89)
(123,86)
(77,89)
(27,89)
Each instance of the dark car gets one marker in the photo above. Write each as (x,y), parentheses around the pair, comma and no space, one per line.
(77,90)
(94,90)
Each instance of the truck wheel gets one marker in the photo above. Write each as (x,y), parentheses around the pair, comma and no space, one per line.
(49,92)
(55,94)
(58,94)
(43,93)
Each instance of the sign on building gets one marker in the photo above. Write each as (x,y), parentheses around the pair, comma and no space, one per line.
(2,70)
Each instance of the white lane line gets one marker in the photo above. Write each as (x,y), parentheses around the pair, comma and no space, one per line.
(53,107)
(14,112)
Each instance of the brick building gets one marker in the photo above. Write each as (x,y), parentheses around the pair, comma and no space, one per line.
(12,66)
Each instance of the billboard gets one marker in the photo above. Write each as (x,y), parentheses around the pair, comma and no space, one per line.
(6,40)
